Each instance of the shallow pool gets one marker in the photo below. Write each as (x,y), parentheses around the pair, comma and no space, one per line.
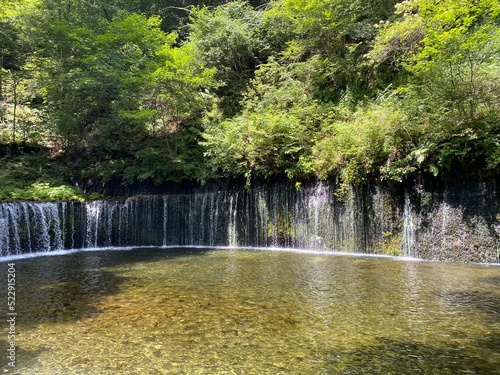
(209,311)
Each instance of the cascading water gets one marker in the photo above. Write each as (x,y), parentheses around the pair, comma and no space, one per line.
(369,220)
(29,227)
(281,216)
(408,228)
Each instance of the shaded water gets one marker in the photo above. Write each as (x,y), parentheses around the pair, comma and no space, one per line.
(193,311)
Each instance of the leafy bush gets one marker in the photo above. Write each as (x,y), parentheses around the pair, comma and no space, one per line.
(276,130)
(45,192)
(374,136)
(35,177)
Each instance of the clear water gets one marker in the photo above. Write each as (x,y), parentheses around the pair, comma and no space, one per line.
(192,311)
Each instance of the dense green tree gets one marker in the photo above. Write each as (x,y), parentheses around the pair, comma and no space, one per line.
(152,91)
(276,129)
(180,96)
(95,83)
(451,53)
(228,38)
(181,84)
(338,31)
(16,74)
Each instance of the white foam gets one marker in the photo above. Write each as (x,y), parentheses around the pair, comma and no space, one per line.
(11,258)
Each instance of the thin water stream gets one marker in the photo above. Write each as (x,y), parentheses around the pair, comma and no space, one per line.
(221,311)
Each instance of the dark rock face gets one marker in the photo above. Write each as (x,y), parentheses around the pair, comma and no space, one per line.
(456,222)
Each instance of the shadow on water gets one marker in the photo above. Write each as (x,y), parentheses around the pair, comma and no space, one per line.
(394,357)
(487,303)
(20,353)
(400,358)
(67,289)
(494,280)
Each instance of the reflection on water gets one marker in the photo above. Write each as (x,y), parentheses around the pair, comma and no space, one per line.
(187,311)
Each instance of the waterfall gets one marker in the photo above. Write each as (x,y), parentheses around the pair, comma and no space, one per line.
(408,228)
(280,216)
(29,227)
(370,220)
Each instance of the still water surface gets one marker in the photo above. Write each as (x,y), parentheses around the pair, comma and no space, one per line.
(192,311)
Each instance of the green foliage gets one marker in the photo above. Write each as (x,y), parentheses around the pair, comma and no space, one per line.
(35,177)
(337,30)
(182,83)
(275,131)
(95,196)
(318,26)
(172,158)
(323,88)
(359,145)
(452,49)
(391,244)
(459,62)
(46,192)
(105,79)
(229,39)
(452,52)
(132,89)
